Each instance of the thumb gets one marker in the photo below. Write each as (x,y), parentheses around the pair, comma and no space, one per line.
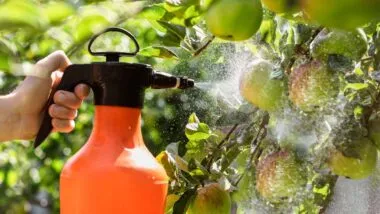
(53,62)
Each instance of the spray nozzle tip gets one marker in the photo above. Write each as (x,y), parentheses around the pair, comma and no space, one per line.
(186,83)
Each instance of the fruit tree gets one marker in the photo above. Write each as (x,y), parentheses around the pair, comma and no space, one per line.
(287,97)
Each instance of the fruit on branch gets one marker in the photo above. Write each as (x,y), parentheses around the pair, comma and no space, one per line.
(342,14)
(279,176)
(234,20)
(210,199)
(257,86)
(355,167)
(374,131)
(313,85)
(352,45)
(282,6)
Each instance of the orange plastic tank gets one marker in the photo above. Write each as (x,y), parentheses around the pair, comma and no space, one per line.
(114,172)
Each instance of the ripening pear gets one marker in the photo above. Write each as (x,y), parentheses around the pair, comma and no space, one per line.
(257,86)
(280,175)
(210,199)
(234,20)
(312,85)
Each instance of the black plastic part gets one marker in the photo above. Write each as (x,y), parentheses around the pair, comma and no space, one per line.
(114,56)
(113,84)
(186,83)
(164,80)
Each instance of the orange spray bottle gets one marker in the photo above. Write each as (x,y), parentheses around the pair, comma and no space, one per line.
(113,173)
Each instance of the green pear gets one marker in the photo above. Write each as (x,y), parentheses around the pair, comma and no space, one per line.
(234,20)
(282,6)
(279,175)
(342,14)
(210,199)
(312,86)
(355,167)
(352,45)
(257,86)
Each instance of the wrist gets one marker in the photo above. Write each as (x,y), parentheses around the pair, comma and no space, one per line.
(10,119)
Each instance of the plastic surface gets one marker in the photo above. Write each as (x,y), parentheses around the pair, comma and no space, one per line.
(114,56)
(114,84)
(113,173)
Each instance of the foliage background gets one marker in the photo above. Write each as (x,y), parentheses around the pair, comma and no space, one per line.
(30,30)
(173,38)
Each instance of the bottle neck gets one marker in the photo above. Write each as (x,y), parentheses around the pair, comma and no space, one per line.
(121,125)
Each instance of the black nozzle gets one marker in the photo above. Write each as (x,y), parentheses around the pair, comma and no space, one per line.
(162,80)
(185,83)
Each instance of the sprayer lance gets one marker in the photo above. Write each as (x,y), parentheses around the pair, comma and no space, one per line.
(162,80)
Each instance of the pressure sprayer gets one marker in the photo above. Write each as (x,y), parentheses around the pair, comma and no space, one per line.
(113,173)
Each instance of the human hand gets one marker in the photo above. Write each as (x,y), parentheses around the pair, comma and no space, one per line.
(30,97)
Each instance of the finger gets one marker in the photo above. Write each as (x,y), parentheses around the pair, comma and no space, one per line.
(64,126)
(67,99)
(55,61)
(60,112)
(82,91)
(56,77)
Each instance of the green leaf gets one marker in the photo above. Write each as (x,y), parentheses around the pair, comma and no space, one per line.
(4,62)
(90,25)
(177,9)
(340,63)
(170,40)
(181,2)
(193,118)
(21,13)
(58,11)
(302,33)
(197,131)
(170,201)
(356,86)
(231,155)
(267,31)
(177,30)
(197,170)
(198,173)
(7,47)
(161,52)
(153,12)
(358,112)
(12,178)
(191,12)
(358,71)
(195,148)
(180,207)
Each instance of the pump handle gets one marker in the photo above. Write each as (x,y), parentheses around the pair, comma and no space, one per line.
(114,55)
(70,79)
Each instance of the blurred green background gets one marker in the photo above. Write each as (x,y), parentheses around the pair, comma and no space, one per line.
(30,30)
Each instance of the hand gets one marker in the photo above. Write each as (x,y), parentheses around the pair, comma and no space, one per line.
(31,96)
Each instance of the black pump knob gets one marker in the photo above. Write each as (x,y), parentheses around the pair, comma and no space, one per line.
(113,56)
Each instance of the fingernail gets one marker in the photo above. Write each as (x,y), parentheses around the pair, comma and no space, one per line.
(62,96)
